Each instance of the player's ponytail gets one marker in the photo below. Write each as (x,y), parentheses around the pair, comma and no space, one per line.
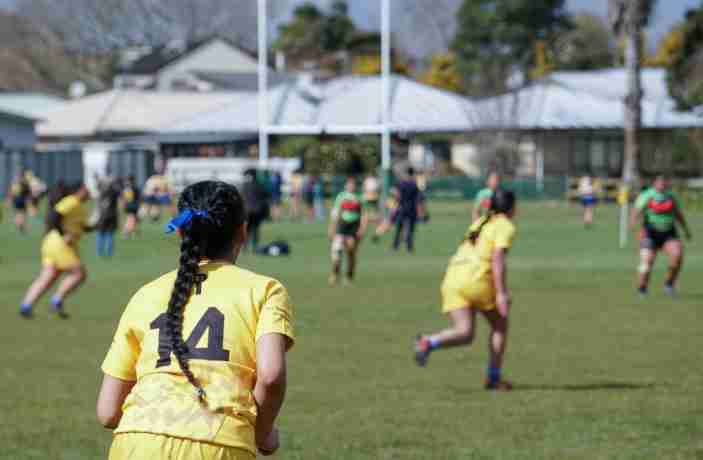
(502,202)
(182,290)
(210,214)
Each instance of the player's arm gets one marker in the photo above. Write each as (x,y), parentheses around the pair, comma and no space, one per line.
(681,219)
(113,393)
(637,210)
(500,281)
(270,388)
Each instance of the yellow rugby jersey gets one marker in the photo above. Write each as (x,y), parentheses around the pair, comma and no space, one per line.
(473,263)
(74,218)
(221,326)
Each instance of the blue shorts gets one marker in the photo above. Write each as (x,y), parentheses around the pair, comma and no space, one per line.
(164,200)
(589,201)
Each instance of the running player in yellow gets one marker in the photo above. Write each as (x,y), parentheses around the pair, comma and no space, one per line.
(19,198)
(197,367)
(59,251)
(476,282)
(660,211)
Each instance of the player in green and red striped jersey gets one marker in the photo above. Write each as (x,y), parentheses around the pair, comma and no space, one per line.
(660,211)
(347,227)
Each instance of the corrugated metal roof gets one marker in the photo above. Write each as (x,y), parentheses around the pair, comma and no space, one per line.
(348,104)
(565,100)
(30,105)
(127,111)
(582,100)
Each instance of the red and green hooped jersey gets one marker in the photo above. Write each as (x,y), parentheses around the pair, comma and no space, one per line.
(348,206)
(659,208)
(483,200)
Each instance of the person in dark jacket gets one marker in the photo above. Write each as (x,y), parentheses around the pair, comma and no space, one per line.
(410,209)
(106,226)
(257,202)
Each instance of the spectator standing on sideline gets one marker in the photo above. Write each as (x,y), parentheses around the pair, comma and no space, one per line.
(256,201)
(410,209)
(318,198)
(372,195)
(276,195)
(106,226)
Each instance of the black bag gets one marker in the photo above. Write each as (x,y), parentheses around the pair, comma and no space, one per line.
(276,249)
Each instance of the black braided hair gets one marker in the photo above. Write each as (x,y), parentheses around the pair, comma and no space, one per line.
(208,237)
(502,201)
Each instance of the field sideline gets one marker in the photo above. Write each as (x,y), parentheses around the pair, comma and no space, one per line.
(600,373)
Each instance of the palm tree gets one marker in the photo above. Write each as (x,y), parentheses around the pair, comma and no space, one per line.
(628,18)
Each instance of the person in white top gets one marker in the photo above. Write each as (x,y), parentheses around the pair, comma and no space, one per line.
(587,192)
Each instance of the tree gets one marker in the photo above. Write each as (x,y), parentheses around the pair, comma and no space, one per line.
(302,35)
(337,28)
(443,73)
(628,18)
(89,26)
(589,45)
(496,39)
(668,48)
(685,71)
(31,60)
(312,32)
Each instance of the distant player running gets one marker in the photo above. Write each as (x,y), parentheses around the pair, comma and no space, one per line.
(659,210)
(197,366)
(476,282)
(59,252)
(482,202)
(130,198)
(346,229)
(587,192)
(19,198)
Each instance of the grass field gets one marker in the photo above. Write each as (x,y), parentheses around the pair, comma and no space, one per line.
(600,374)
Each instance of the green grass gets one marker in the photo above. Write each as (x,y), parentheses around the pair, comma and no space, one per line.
(600,374)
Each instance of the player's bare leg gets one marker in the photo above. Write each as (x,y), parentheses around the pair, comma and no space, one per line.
(336,256)
(460,333)
(73,279)
(497,343)
(647,258)
(674,249)
(350,249)
(21,222)
(39,286)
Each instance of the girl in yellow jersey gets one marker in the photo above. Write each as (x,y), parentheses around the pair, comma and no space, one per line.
(67,222)
(476,282)
(197,367)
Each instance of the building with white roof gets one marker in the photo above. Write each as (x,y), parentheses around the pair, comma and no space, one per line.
(572,123)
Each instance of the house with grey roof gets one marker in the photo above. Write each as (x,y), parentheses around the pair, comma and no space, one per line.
(171,66)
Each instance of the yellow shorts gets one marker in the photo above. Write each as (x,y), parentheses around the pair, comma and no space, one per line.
(139,446)
(479,295)
(55,252)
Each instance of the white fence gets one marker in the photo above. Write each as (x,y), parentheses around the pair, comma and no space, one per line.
(182,172)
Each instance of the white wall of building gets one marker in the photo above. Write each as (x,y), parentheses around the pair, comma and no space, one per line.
(216,56)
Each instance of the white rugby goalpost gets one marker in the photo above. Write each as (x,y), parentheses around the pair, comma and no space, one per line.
(265,129)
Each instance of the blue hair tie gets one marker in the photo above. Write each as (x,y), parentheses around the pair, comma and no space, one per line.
(183,220)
